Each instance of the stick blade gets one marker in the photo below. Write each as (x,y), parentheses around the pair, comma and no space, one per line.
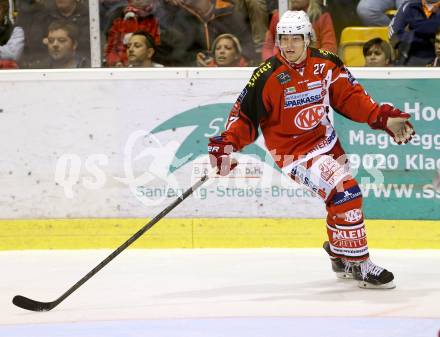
(28,304)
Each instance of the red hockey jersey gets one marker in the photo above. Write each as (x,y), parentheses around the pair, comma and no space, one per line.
(291,107)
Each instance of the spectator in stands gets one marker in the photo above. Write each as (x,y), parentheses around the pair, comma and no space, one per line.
(226,52)
(109,10)
(258,18)
(372,12)
(190,26)
(76,12)
(436,62)
(62,44)
(324,37)
(32,16)
(140,50)
(11,38)
(412,32)
(136,16)
(377,53)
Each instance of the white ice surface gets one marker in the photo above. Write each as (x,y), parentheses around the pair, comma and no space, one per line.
(213,292)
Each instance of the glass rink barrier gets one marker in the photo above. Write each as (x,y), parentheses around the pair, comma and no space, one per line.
(50,34)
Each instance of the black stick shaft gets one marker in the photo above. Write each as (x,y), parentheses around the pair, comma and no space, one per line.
(127,243)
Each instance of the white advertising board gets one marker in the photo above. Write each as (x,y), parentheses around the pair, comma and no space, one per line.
(101,144)
(124,143)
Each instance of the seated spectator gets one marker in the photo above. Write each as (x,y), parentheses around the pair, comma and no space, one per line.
(62,44)
(109,10)
(136,16)
(436,62)
(372,12)
(190,26)
(412,32)
(226,52)
(377,53)
(32,17)
(11,38)
(322,23)
(76,12)
(140,50)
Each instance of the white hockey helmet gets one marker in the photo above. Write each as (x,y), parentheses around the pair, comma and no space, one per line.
(295,23)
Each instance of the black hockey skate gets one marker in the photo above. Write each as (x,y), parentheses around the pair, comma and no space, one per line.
(371,276)
(342,268)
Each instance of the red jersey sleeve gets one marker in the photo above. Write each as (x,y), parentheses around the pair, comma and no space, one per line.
(349,98)
(240,130)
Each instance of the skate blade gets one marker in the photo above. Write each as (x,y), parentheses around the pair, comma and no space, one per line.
(366,285)
(344,276)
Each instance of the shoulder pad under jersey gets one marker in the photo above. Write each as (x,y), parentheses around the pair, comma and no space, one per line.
(327,55)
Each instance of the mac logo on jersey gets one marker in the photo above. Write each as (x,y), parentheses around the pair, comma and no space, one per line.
(309,117)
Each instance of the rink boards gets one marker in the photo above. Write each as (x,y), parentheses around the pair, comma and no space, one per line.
(95,153)
(206,233)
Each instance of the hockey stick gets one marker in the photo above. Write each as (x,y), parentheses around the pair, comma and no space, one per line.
(29,304)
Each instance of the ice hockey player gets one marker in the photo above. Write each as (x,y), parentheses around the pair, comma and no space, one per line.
(288,97)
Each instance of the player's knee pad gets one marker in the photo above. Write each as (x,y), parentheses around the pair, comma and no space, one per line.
(345,222)
(345,204)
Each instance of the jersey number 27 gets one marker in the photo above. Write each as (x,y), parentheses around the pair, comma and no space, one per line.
(318,68)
